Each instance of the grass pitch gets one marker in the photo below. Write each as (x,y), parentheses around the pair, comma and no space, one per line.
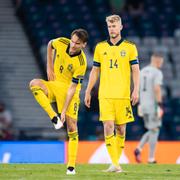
(88,172)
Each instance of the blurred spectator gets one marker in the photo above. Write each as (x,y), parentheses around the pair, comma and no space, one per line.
(117,5)
(5,123)
(17,4)
(135,9)
(177,36)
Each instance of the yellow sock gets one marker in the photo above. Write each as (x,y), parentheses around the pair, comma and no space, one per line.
(120,144)
(42,99)
(112,150)
(72,148)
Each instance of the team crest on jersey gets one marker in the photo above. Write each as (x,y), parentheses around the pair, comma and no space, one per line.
(70,67)
(123,53)
(128,112)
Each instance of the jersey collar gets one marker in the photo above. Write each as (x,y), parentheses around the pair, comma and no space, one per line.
(67,51)
(117,44)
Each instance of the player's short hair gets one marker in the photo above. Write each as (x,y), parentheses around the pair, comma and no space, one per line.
(82,34)
(158,55)
(113,18)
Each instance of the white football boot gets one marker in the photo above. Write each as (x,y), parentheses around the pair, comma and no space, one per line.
(57,122)
(113,168)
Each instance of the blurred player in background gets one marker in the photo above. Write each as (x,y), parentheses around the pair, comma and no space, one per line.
(66,66)
(113,60)
(150,107)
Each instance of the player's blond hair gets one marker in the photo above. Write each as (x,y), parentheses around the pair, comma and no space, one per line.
(113,18)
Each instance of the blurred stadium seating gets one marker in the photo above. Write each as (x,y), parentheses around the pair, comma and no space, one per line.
(155,29)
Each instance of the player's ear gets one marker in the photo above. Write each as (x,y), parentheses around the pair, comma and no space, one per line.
(121,27)
(84,44)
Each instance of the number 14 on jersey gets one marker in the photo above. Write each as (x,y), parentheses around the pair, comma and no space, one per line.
(113,63)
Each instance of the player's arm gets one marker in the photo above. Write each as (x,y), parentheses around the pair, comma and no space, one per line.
(136,82)
(135,74)
(77,78)
(93,77)
(50,64)
(158,94)
(69,96)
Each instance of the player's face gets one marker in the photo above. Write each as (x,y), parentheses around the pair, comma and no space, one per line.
(76,44)
(114,29)
(160,62)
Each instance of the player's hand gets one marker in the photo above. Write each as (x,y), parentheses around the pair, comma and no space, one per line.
(139,110)
(63,116)
(50,74)
(87,99)
(135,97)
(160,112)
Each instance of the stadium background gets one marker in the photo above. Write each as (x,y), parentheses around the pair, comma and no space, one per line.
(26,26)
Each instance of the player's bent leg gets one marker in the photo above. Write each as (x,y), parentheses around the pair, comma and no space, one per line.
(137,152)
(72,145)
(40,93)
(38,83)
(120,138)
(111,143)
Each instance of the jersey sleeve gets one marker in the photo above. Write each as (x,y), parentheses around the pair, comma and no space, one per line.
(96,60)
(79,73)
(54,43)
(158,78)
(134,55)
(57,41)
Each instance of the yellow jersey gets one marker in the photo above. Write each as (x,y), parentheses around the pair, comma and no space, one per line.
(115,63)
(68,68)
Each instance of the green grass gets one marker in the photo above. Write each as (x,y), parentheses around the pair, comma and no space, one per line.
(88,172)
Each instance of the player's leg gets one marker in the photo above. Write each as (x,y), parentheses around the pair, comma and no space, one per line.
(120,138)
(72,145)
(137,152)
(41,93)
(153,138)
(144,139)
(110,142)
(107,116)
(71,120)
(123,115)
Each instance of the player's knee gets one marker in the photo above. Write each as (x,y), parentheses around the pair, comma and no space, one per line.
(108,127)
(121,130)
(72,128)
(71,124)
(34,82)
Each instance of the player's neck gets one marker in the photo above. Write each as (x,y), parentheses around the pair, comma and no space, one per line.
(116,39)
(154,65)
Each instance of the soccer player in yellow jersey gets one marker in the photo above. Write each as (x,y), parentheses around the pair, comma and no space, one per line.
(66,66)
(114,59)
